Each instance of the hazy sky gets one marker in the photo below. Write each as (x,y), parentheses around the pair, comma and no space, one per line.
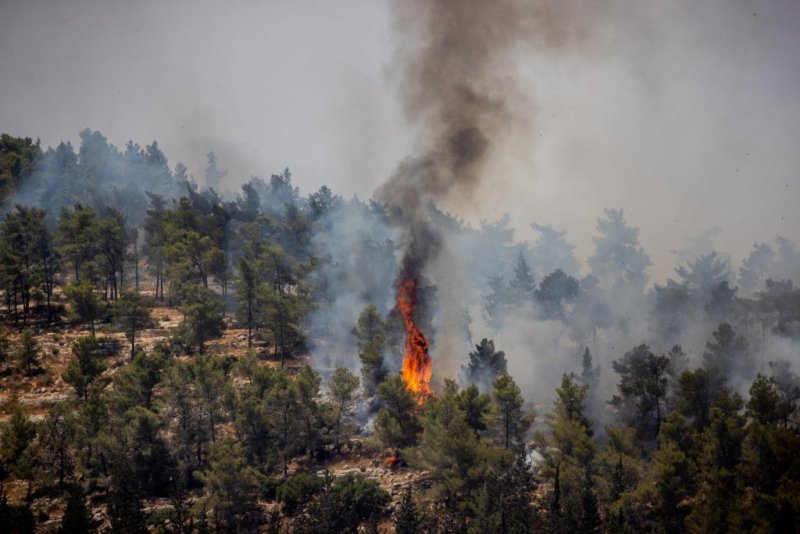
(686,113)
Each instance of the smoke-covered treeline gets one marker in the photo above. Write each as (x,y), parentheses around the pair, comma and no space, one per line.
(677,405)
(106,213)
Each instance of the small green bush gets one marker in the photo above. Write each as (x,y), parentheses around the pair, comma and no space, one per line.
(297,490)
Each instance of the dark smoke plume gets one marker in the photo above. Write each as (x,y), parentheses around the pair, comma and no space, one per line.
(457,81)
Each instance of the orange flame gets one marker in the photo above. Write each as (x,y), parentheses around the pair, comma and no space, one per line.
(416,360)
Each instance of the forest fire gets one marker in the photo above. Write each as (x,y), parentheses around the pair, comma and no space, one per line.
(416,360)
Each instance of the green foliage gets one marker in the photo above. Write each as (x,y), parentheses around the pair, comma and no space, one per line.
(570,454)
(253,418)
(485,363)
(643,387)
(556,290)
(344,394)
(77,518)
(723,304)
(85,367)
(725,357)
(509,421)
(306,386)
(16,443)
(192,409)
(28,261)
(570,399)
(688,454)
(208,382)
(202,317)
(503,502)
(194,232)
(343,505)
(268,291)
(246,287)
(18,157)
(672,309)
(5,348)
(694,397)
(230,484)
(85,304)
(396,424)
(131,314)
(769,467)
(125,506)
(719,488)
(92,419)
(134,384)
(673,474)
(476,407)
(297,490)
(147,451)
(361,496)
(407,520)
(27,353)
(371,336)
(283,313)
(282,401)
(111,241)
(448,447)
(522,287)
(57,434)
(589,373)
(95,246)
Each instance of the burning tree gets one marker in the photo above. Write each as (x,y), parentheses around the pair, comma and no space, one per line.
(416,360)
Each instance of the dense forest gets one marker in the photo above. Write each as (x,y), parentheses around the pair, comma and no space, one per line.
(568,396)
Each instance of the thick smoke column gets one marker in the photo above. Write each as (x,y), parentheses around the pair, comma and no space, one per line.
(454,57)
(456,61)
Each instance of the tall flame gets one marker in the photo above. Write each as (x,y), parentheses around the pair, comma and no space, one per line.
(416,360)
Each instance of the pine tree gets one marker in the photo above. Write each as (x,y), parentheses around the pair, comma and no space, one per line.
(85,306)
(406,518)
(16,441)
(57,434)
(132,315)
(556,290)
(125,507)
(85,366)
(396,423)
(510,422)
(230,484)
(726,357)
(522,286)
(485,363)
(618,259)
(643,386)
(202,316)
(15,519)
(589,373)
(343,387)
(28,353)
(77,517)
(371,337)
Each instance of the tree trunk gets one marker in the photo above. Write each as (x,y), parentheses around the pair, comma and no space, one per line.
(136,266)
(133,343)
